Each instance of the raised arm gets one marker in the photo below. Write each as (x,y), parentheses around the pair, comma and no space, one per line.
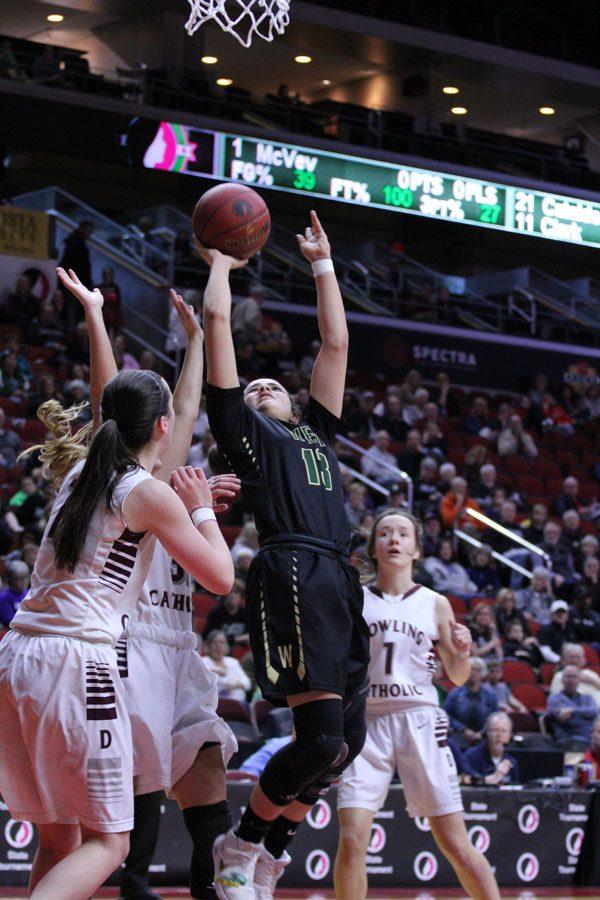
(329,372)
(221,366)
(103,367)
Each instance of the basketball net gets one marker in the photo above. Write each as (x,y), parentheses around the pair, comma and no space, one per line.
(241,18)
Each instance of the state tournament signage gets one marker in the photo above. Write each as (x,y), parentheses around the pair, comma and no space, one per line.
(530,837)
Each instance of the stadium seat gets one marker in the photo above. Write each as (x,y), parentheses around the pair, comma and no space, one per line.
(203,603)
(459,606)
(524,722)
(237,716)
(546,468)
(240,651)
(567,458)
(34,430)
(532,695)
(547,671)
(515,670)
(517,465)
(553,487)
(530,485)
(236,775)
(591,656)
(230,533)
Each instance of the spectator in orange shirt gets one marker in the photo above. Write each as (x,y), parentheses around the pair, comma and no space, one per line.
(455,502)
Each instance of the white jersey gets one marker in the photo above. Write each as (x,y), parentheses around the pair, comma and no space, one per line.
(166,596)
(89,603)
(403,630)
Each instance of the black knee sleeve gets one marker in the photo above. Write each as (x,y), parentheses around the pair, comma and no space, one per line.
(318,746)
(355,733)
(205,824)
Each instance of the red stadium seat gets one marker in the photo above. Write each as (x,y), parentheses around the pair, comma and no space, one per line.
(240,651)
(567,458)
(34,430)
(589,490)
(517,465)
(547,671)
(260,710)
(233,710)
(524,722)
(591,657)
(534,627)
(203,603)
(545,468)
(517,671)
(459,606)
(529,485)
(230,533)
(553,487)
(531,695)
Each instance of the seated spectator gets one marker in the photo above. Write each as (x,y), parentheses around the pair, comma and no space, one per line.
(533,530)
(112,310)
(415,411)
(442,394)
(308,360)
(78,346)
(12,381)
(551,637)
(426,491)
(555,418)
(65,314)
(434,442)
(589,681)
(17,578)
(514,440)
(488,762)
(392,421)
(535,601)
(563,569)
(572,535)
(584,619)
(247,539)
(506,700)
(506,611)
(198,457)
(243,563)
(446,475)
(449,577)
(540,387)
(520,646)
(229,616)
(10,443)
(478,420)
(469,706)
(367,408)
(498,498)
(392,390)
(373,462)
(453,506)
(253,765)
(410,386)
(432,533)
(21,306)
(123,358)
(572,713)
(592,754)
(486,640)
(591,579)
(27,504)
(483,571)
(482,491)
(46,330)
(356,503)
(589,546)
(499,542)
(46,390)
(13,345)
(569,498)
(232,681)
(431,416)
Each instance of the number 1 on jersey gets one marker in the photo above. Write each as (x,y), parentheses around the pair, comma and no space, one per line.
(317,468)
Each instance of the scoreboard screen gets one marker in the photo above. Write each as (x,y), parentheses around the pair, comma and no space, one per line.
(373,183)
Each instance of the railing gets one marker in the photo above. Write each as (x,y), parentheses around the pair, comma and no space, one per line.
(394,470)
(503,558)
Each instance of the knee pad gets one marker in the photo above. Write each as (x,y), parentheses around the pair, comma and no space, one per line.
(204,825)
(319,745)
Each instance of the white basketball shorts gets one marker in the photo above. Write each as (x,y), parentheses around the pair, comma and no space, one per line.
(414,744)
(65,740)
(172,702)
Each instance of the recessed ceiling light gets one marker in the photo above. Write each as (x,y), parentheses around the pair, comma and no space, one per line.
(302,58)
(547,110)
(326,82)
(450,89)
(224,82)
(209,60)
(459,110)
(55,17)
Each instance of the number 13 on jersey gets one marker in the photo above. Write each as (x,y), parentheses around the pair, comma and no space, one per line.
(317,468)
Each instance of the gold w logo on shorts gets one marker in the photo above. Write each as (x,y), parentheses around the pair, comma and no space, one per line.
(285,655)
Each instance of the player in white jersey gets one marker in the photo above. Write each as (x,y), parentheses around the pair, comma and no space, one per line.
(406,729)
(179,743)
(65,743)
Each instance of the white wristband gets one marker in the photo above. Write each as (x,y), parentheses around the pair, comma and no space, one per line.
(202,514)
(320,266)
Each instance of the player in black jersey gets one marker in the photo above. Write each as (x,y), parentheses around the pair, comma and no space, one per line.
(304,600)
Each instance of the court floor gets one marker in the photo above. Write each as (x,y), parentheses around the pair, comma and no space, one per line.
(442,894)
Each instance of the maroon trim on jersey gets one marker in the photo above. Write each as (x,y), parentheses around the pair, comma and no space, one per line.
(379,593)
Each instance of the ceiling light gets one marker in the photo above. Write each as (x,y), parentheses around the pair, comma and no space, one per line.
(224,82)
(547,110)
(449,89)
(302,58)
(326,82)
(209,60)
(459,110)
(55,17)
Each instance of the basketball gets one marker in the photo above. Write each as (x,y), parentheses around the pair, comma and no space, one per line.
(232,218)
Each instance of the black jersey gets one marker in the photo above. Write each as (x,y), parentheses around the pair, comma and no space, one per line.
(289,472)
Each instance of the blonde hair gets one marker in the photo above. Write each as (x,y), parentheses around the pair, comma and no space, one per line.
(65,449)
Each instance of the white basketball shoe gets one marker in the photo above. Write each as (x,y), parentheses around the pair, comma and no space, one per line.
(267,873)
(235,861)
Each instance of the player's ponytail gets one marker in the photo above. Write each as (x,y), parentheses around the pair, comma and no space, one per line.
(130,406)
(65,449)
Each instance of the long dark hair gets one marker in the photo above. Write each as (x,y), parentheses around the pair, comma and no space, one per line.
(371,574)
(131,404)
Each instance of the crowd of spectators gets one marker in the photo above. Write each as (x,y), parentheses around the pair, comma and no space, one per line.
(469,456)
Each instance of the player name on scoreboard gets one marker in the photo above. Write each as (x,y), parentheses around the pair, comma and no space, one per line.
(374,183)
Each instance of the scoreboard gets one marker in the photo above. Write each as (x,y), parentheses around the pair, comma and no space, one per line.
(373,183)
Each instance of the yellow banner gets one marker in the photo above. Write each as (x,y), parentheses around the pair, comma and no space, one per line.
(23,232)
